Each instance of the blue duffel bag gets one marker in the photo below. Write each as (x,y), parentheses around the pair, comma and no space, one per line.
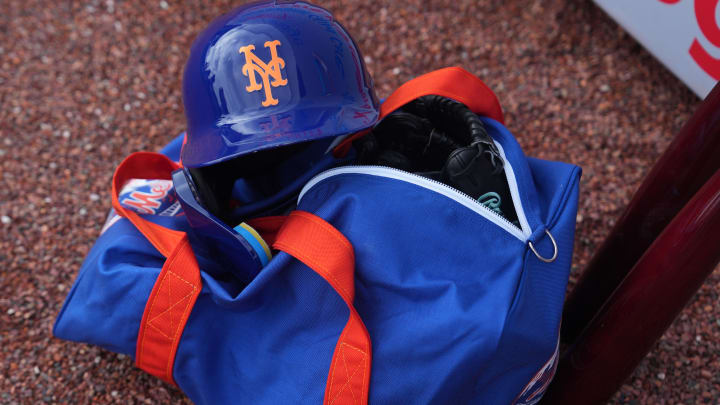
(384,286)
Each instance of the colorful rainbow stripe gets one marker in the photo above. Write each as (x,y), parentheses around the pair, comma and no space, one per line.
(256,241)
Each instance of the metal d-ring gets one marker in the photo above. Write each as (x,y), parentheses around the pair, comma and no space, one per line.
(554,256)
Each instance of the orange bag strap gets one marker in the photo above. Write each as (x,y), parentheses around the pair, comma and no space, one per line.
(177,287)
(320,246)
(304,236)
(451,82)
(146,165)
(267,227)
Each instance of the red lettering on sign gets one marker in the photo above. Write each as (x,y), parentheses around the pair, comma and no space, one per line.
(706,61)
(705,16)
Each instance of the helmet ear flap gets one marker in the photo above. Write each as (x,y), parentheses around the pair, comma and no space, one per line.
(265,171)
(212,188)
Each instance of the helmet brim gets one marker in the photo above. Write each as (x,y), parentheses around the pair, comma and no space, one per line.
(232,137)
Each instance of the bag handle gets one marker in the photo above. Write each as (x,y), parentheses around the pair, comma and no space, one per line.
(308,238)
(146,165)
(178,285)
(320,246)
(451,82)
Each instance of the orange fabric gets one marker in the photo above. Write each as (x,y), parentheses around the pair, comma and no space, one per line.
(167,311)
(267,227)
(178,285)
(146,165)
(324,249)
(452,82)
(305,236)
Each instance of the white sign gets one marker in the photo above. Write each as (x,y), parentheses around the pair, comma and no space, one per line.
(683,34)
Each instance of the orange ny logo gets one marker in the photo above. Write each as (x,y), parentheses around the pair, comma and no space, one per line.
(253,65)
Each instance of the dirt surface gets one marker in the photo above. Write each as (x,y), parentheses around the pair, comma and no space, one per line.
(83,84)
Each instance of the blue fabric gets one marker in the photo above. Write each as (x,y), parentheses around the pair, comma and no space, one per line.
(458,309)
(172,149)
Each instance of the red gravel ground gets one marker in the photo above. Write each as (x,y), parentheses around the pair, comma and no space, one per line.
(83,84)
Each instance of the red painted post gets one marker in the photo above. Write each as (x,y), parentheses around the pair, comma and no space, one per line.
(644,304)
(692,157)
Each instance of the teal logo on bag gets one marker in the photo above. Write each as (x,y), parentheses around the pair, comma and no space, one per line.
(492,201)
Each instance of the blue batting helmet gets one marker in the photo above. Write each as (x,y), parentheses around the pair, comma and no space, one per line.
(270,74)
(267,88)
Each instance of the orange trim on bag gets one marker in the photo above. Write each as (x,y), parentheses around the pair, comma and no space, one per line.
(178,285)
(452,82)
(167,311)
(267,227)
(305,236)
(146,165)
(325,250)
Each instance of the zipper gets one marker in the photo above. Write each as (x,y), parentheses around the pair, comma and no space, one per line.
(523,233)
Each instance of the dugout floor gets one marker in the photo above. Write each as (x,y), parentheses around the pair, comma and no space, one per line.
(83,84)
